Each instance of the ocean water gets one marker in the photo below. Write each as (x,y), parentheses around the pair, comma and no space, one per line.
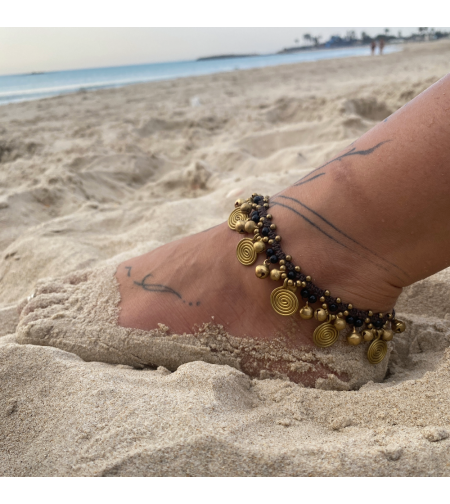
(23,87)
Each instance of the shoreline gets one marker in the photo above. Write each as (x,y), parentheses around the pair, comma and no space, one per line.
(271,60)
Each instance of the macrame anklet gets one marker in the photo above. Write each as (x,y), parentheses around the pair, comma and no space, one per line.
(251,216)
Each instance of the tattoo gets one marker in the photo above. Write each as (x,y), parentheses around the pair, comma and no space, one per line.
(340,231)
(316,226)
(351,152)
(158,287)
(309,180)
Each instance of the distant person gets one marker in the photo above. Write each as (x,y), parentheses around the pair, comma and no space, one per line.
(381,46)
(373,45)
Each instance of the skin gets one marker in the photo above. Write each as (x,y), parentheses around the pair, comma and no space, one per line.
(364,225)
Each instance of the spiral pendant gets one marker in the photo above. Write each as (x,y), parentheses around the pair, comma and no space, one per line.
(245,252)
(377,351)
(235,215)
(284,301)
(325,335)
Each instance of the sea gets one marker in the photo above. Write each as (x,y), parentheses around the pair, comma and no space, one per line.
(35,86)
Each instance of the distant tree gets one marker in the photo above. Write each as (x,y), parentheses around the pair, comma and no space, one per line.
(386,31)
(366,39)
(307,37)
(316,40)
(399,34)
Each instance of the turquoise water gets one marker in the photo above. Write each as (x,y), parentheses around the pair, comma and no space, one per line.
(16,88)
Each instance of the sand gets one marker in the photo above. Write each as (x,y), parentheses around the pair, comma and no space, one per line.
(91,179)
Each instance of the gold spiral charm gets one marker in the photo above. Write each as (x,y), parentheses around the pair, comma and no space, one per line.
(325,335)
(284,301)
(235,215)
(377,351)
(245,252)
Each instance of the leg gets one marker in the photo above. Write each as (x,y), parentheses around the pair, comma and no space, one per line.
(351,224)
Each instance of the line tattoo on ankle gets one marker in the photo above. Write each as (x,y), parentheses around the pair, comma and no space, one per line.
(356,242)
(319,228)
(351,152)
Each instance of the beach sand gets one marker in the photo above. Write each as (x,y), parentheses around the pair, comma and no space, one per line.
(90,179)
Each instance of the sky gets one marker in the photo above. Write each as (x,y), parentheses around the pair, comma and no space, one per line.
(24,50)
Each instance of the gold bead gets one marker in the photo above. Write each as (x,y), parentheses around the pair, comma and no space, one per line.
(288,258)
(320,314)
(278,238)
(333,317)
(387,335)
(324,306)
(367,335)
(298,283)
(262,271)
(250,226)
(239,202)
(308,278)
(327,292)
(275,274)
(322,299)
(282,261)
(256,232)
(266,205)
(367,321)
(283,276)
(273,226)
(269,216)
(254,206)
(306,312)
(370,313)
(303,284)
(398,326)
(240,226)
(271,242)
(340,324)
(346,313)
(260,224)
(290,282)
(370,326)
(245,208)
(265,239)
(258,207)
(259,247)
(338,300)
(297,269)
(350,306)
(340,314)
(282,267)
(390,316)
(354,338)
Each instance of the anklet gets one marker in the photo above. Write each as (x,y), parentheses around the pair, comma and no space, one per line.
(251,216)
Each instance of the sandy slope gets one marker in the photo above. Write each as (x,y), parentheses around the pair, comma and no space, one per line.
(91,178)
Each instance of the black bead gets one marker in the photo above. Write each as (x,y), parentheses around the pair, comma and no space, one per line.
(270,252)
(333,307)
(378,324)
(257,199)
(255,217)
(312,298)
(350,320)
(273,259)
(359,322)
(291,275)
(265,231)
(304,293)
